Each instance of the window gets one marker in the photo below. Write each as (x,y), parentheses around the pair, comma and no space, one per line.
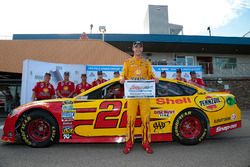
(180,60)
(185,60)
(164,88)
(111,91)
(225,62)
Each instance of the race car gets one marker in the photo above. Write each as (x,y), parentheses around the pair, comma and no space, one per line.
(180,111)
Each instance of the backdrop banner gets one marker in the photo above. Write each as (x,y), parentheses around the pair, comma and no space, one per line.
(33,71)
(171,71)
(107,70)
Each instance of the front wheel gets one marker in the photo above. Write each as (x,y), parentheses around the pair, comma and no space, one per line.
(39,129)
(190,128)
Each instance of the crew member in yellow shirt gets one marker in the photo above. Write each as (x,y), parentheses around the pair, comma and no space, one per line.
(138,68)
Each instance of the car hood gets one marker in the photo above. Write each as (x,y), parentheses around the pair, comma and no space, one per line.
(42,104)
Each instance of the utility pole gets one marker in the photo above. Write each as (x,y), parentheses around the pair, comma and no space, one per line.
(209,30)
(91,27)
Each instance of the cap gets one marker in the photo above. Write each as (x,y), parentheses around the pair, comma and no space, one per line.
(192,72)
(116,72)
(99,72)
(66,73)
(84,75)
(163,72)
(178,70)
(47,74)
(137,43)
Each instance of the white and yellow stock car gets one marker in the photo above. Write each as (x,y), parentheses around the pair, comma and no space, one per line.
(180,112)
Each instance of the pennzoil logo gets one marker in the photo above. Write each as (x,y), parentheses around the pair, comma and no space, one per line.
(210,103)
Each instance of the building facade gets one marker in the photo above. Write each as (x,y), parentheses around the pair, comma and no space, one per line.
(157,22)
(225,60)
(14,52)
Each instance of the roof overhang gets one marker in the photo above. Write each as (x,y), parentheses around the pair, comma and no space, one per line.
(162,42)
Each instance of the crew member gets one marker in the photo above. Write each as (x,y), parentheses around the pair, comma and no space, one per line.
(138,68)
(178,75)
(43,89)
(65,88)
(116,74)
(196,81)
(99,79)
(83,86)
(163,74)
(115,92)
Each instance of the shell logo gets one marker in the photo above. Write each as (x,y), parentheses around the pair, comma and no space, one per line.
(138,72)
(45,90)
(210,103)
(65,88)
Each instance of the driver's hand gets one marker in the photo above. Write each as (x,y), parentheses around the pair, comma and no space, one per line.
(122,81)
(156,80)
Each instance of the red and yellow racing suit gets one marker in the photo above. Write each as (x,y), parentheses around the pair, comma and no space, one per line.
(138,69)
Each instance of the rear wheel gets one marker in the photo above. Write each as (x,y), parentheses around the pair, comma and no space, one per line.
(39,129)
(190,128)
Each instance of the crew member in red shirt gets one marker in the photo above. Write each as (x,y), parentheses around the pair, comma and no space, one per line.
(99,79)
(83,86)
(43,89)
(163,74)
(65,88)
(178,75)
(196,81)
(116,74)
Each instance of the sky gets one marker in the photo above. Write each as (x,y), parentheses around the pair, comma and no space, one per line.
(225,17)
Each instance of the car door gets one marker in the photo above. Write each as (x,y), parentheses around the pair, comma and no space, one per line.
(101,112)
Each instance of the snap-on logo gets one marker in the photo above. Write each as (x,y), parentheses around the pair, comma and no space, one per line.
(226,128)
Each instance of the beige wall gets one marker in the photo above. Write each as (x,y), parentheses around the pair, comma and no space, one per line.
(13,52)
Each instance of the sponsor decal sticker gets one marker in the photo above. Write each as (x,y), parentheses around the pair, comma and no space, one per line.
(67,107)
(160,125)
(68,123)
(210,103)
(225,128)
(230,101)
(68,115)
(68,111)
(222,119)
(67,132)
(233,117)
(183,100)
(164,113)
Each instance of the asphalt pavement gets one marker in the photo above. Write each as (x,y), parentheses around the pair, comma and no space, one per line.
(231,149)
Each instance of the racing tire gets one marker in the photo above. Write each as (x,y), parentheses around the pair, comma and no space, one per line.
(39,129)
(190,128)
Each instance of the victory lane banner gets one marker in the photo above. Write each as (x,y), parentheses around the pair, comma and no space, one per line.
(33,72)
(107,70)
(139,89)
(171,71)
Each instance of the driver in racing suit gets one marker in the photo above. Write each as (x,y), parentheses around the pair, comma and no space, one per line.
(138,68)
